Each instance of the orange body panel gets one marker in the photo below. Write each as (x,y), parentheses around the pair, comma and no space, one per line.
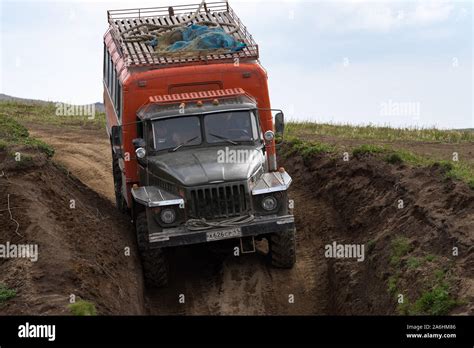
(138,84)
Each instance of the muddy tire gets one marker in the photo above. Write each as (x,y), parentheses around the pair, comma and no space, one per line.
(283,249)
(117,173)
(154,261)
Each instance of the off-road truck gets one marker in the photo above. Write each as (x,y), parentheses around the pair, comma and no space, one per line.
(193,138)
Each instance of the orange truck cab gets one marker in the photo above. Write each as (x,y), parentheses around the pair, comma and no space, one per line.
(192,134)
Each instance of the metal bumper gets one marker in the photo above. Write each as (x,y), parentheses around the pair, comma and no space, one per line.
(183,236)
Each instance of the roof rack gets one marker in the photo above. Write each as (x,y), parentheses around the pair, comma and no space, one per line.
(141,54)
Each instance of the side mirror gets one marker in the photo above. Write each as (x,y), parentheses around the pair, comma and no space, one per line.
(138,142)
(279,123)
(116,135)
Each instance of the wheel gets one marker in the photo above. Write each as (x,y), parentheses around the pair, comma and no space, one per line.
(282,249)
(117,173)
(154,262)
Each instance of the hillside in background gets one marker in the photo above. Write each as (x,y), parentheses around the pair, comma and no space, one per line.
(99,107)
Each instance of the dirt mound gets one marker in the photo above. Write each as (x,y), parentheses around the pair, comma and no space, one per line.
(81,242)
(408,219)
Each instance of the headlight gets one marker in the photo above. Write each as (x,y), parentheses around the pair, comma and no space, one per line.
(168,215)
(140,152)
(269,203)
(269,135)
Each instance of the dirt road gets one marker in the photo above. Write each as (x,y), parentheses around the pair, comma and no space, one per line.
(211,282)
(84,152)
(334,201)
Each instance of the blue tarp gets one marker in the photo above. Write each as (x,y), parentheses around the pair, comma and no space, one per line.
(201,37)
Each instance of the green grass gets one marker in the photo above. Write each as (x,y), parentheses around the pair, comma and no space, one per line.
(6,293)
(82,308)
(45,113)
(371,132)
(436,301)
(394,158)
(400,247)
(13,133)
(430,257)
(392,284)
(368,149)
(306,148)
(414,262)
(453,169)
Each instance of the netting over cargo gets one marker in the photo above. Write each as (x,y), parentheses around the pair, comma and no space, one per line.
(181,34)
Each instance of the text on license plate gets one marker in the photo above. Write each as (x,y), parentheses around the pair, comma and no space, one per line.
(225,234)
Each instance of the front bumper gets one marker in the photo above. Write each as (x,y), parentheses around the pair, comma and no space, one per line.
(183,236)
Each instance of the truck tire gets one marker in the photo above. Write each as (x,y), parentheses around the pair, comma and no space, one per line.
(117,173)
(282,248)
(154,262)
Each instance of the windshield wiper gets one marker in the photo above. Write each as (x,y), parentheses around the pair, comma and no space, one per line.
(182,144)
(224,138)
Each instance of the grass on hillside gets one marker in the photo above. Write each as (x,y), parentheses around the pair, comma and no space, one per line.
(371,132)
(6,293)
(46,114)
(435,297)
(457,170)
(12,133)
(83,308)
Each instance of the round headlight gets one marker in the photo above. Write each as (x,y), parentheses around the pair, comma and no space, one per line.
(168,215)
(269,203)
(140,152)
(269,135)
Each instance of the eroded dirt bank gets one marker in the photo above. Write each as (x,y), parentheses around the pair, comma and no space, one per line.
(408,219)
(81,242)
(407,251)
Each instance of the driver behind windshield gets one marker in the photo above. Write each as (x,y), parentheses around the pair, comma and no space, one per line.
(170,133)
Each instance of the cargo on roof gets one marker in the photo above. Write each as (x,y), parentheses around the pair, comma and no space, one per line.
(133,31)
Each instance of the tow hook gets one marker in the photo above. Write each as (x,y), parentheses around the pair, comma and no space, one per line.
(247,245)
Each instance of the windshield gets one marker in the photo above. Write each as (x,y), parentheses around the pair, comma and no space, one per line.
(229,127)
(172,132)
(233,125)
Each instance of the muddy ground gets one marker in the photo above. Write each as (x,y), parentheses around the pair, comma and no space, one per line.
(351,202)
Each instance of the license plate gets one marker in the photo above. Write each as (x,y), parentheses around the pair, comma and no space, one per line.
(225,234)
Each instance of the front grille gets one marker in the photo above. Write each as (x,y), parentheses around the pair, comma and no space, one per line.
(218,201)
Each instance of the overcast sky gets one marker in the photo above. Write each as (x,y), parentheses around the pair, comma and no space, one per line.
(398,63)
